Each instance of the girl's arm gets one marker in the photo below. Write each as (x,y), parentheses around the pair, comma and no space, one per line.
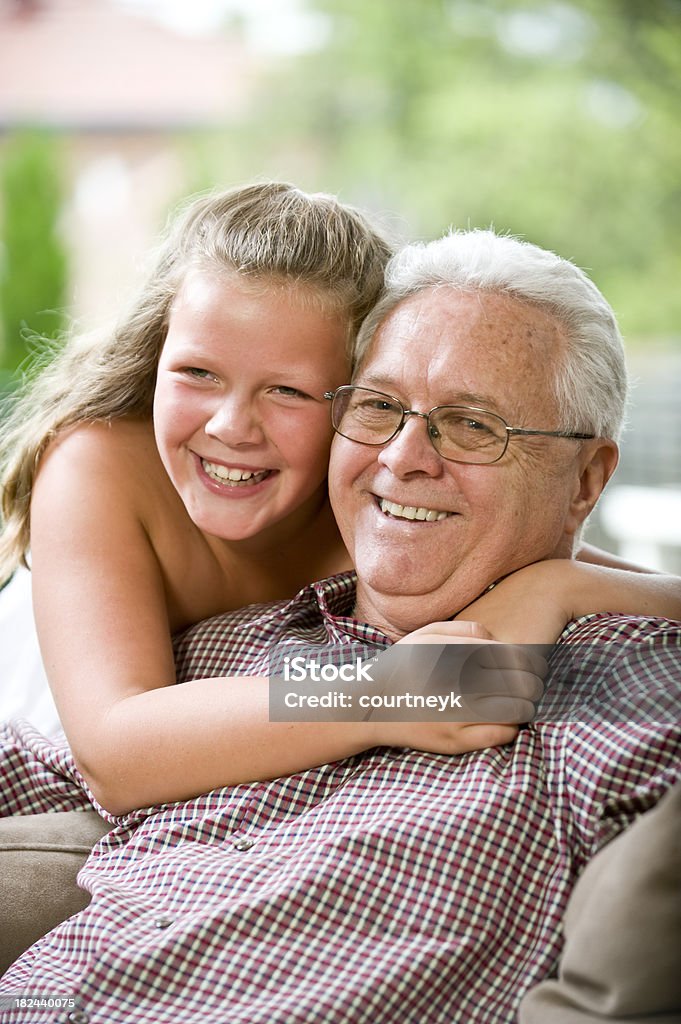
(534,604)
(101,600)
(101,607)
(596,556)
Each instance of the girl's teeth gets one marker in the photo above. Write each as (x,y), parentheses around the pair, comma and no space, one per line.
(431,515)
(224,474)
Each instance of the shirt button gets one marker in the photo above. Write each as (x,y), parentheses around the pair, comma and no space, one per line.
(78,1017)
(244,844)
(163,922)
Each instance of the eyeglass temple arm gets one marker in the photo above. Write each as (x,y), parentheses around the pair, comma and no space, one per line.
(551,433)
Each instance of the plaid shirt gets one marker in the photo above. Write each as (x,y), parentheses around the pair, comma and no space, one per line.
(393,886)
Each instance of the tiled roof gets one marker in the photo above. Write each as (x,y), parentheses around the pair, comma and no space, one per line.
(89,64)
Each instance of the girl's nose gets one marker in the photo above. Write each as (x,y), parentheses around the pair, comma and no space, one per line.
(235,421)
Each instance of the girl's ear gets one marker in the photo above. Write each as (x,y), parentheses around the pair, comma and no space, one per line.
(597,462)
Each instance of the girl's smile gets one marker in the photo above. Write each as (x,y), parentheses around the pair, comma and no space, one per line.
(232,481)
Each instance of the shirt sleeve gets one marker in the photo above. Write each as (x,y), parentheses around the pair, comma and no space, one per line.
(613,724)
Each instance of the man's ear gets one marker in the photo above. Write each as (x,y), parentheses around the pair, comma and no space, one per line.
(596,464)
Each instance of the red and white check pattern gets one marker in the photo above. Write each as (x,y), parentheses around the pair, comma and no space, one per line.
(392,887)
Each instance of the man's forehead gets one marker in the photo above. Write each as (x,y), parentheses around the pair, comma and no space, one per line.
(486,312)
(487,317)
(468,347)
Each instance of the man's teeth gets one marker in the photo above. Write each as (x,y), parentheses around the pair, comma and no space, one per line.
(430,515)
(224,474)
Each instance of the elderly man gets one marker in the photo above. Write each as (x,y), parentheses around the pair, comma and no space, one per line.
(399,885)
(484,367)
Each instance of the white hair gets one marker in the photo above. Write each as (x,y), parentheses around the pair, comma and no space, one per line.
(590,383)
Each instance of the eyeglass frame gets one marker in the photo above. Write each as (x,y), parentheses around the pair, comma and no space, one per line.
(522,431)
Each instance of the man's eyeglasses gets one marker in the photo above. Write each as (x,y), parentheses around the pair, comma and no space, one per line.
(459,433)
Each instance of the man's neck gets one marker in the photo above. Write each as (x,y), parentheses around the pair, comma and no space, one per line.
(398,615)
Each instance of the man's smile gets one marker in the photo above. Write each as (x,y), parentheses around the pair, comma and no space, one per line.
(411,512)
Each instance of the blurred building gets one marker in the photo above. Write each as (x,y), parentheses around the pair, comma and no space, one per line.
(120,90)
(639,515)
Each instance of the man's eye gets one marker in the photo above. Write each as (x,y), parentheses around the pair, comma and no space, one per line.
(370,405)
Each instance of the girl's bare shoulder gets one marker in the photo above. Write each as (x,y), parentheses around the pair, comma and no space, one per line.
(109,465)
(89,444)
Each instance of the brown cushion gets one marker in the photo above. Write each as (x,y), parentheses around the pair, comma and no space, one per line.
(622,955)
(40,856)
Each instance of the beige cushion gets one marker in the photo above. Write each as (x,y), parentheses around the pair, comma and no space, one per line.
(40,856)
(622,955)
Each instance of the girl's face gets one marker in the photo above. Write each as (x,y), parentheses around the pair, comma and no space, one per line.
(240,420)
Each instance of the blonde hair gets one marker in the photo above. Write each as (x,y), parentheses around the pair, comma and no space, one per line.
(270,232)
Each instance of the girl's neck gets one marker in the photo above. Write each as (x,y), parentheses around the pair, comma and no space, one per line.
(305,546)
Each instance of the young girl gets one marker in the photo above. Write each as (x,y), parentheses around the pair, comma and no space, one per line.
(176,470)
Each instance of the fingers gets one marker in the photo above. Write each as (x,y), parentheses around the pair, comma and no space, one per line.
(500,709)
(527,657)
(462,631)
(485,670)
(450,739)
(485,683)
(481,737)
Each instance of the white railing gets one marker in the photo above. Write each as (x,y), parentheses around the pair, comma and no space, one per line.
(645,522)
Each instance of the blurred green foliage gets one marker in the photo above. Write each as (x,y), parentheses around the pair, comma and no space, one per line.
(33,262)
(560,122)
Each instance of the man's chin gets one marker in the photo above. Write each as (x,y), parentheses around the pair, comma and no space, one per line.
(396,581)
(404,602)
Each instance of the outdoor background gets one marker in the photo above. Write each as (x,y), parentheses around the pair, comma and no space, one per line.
(557,121)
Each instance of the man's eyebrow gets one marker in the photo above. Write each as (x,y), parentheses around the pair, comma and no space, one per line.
(370,380)
(474,399)
(390,387)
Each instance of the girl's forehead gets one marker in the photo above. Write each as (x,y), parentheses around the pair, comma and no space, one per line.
(202,280)
(209,292)
(225,319)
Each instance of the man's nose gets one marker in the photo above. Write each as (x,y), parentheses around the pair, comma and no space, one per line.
(411,450)
(235,420)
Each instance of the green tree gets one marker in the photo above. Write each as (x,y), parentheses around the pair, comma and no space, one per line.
(559,121)
(33,264)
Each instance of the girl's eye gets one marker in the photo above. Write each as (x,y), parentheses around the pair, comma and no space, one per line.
(289,392)
(198,372)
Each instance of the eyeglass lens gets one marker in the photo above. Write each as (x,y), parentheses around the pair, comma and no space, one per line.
(459,433)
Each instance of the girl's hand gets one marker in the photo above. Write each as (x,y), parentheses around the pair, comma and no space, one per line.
(492,688)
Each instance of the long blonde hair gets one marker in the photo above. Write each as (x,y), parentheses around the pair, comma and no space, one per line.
(267,230)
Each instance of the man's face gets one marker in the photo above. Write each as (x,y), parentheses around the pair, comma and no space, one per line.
(445,347)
